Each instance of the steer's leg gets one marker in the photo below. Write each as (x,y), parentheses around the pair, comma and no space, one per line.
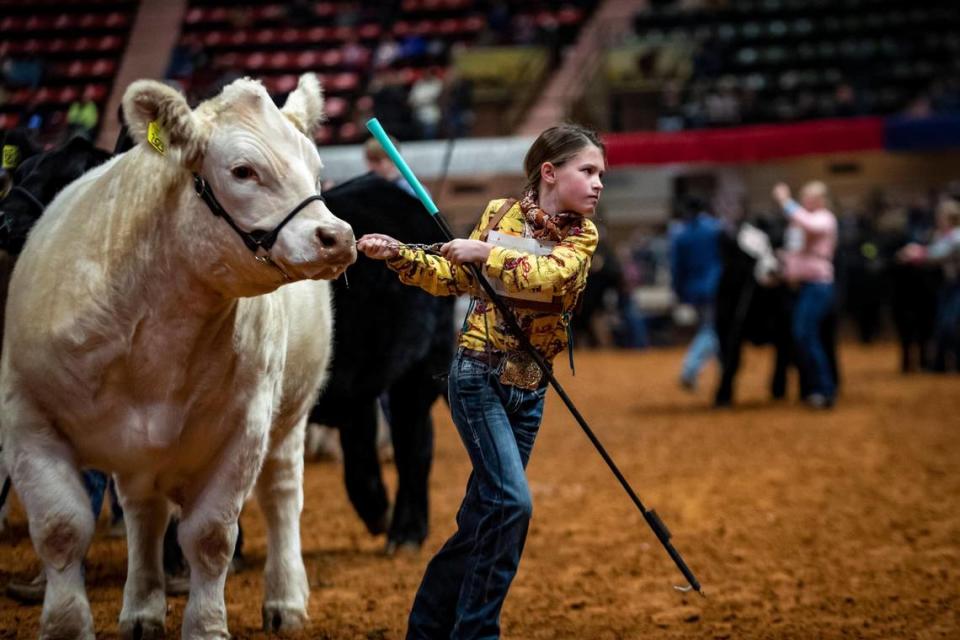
(280,494)
(44,470)
(208,530)
(144,598)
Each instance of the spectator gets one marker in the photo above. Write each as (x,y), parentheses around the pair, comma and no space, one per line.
(809,247)
(380,163)
(83,116)
(695,267)
(424,100)
(945,251)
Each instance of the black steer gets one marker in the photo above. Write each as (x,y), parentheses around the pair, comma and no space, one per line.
(388,337)
(747,310)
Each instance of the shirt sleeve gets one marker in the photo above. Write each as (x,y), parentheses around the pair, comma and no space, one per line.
(563,270)
(812,223)
(435,274)
(942,249)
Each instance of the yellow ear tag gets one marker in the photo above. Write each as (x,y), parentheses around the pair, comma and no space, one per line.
(157,137)
(11,156)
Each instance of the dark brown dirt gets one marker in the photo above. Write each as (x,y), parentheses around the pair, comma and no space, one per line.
(799,524)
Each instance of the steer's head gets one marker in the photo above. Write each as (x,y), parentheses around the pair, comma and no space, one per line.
(260,164)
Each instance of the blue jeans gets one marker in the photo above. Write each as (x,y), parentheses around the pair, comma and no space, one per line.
(705,345)
(946,338)
(812,305)
(465,584)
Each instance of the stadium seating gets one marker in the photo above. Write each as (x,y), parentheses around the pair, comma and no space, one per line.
(786,60)
(338,40)
(71,48)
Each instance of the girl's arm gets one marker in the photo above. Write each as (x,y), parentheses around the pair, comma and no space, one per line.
(434,274)
(810,223)
(564,269)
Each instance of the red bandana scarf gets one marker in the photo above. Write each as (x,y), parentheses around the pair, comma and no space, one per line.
(544,225)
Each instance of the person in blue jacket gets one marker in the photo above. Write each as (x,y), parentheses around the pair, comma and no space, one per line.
(695,268)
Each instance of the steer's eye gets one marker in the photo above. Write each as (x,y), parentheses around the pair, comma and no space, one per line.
(243,172)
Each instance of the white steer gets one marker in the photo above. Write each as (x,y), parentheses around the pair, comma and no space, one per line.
(150,338)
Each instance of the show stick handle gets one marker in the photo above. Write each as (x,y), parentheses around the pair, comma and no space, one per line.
(374,126)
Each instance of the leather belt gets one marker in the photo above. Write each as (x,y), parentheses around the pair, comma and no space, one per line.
(492,358)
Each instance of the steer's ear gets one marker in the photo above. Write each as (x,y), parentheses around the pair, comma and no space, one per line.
(159,116)
(304,105)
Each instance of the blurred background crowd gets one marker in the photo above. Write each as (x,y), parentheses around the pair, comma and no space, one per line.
(700,101)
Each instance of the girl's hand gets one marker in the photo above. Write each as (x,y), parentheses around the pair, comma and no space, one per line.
(378,246)
(463,251)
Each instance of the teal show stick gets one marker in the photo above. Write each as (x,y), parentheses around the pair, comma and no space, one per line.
(374,126)
(653,520)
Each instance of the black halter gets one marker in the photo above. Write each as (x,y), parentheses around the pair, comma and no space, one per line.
(258,238)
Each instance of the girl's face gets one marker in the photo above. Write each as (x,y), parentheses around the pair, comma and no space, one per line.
(576,184)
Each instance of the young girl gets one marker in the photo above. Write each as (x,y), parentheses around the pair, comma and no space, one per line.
(537,253)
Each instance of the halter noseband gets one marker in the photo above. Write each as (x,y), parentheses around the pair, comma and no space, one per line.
(257,239)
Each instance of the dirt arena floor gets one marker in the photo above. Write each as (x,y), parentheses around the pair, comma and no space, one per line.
(842,524)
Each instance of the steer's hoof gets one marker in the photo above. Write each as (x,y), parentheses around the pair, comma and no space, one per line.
(68,619)
(141,629)
(280,618)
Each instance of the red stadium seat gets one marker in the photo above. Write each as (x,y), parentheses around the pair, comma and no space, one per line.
(43,95)
(228,61)
(316,35)
(58,45)
(38,23)
(474,24)
(344,82)
(211,39)
(98,92)
(349,132)
(68,94)
(20,96)
(323,134)
(331,58)
(369,31)
(216,14)
(32,46)
(11,24)
(65,22)
(280,60)
(290,35)
(238,38)
(285,83)
(90,21)
(325,9)
(569,15)
(335,107)
(109,43)
(307,60)
(255,60)
(116,20)
(103,67)
(344,33)
(9,120)
(266,36)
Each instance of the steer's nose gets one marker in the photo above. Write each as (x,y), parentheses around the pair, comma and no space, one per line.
(338,242)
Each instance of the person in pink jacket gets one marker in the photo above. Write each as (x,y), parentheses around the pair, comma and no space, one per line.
(809,246)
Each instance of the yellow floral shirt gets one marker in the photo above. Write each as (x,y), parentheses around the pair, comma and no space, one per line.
(564,270)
